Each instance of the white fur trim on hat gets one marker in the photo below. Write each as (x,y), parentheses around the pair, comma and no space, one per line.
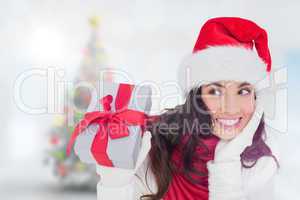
(219,63)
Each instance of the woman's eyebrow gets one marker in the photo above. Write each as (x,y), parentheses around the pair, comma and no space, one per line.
(244,84)
(216,84)
(222,86)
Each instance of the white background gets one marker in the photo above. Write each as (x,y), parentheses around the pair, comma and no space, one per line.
(148,39)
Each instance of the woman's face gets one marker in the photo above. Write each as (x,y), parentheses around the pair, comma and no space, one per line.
(231,105)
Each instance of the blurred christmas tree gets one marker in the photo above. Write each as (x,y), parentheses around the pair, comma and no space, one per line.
(69,170)
(95,59)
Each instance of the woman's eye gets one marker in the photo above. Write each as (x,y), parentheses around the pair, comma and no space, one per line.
(215,92)
(244,91)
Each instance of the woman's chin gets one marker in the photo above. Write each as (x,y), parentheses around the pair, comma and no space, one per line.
(226,135)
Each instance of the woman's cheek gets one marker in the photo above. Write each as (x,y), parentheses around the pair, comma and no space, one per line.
(213,104)
(247,105)
(247,109)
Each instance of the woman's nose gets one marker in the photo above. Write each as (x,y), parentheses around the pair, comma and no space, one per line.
(230,104)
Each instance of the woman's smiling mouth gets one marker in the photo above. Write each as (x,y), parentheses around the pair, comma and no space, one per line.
(229,123)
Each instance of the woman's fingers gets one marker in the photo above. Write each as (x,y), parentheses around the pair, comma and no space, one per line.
(145,148)
(233,148)
(244,138)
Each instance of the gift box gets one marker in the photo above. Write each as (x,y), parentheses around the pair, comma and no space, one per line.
(111,131)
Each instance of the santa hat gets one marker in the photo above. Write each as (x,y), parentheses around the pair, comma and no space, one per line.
(225,50)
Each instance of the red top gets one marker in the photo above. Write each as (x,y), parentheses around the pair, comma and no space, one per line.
(181,188)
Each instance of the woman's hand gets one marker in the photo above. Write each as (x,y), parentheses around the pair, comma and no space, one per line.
(225,175)
(113,176)
(118,183)
(231,150)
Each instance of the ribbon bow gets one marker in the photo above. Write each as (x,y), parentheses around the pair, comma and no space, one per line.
(111,124)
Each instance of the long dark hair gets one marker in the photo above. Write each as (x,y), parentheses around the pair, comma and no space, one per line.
(169,128)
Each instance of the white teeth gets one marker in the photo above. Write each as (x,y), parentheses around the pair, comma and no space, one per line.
(229,122)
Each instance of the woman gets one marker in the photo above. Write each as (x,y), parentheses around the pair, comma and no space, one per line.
(216,145)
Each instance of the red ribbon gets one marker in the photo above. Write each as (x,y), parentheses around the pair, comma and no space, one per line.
(111,124)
